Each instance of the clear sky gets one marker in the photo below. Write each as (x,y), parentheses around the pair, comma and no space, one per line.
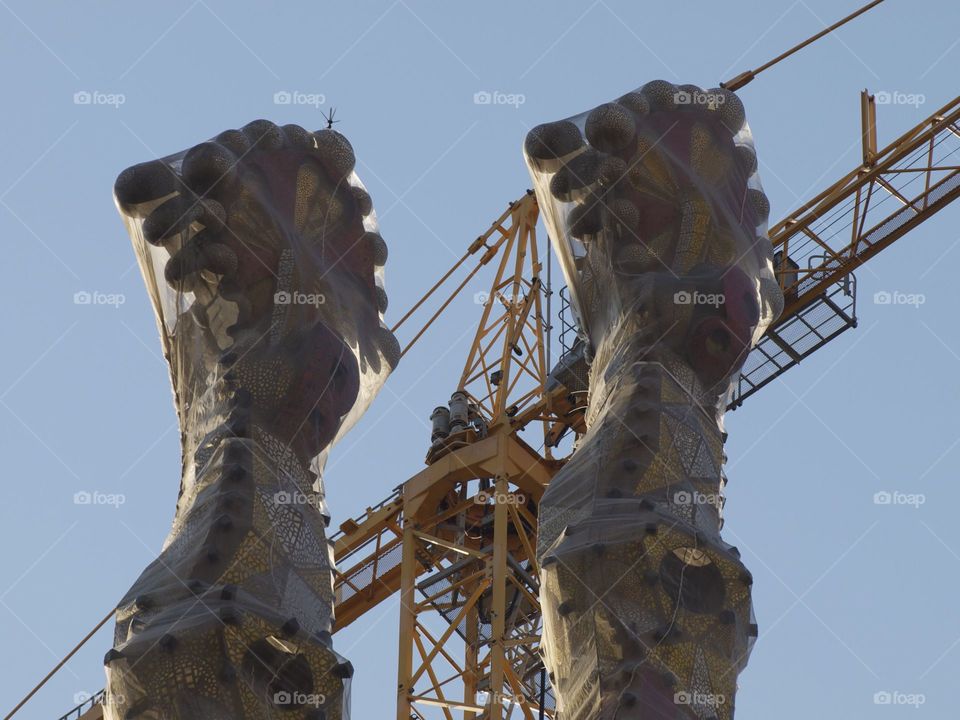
(852,598)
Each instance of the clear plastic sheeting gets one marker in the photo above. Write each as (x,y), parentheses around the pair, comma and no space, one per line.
(262,259)
(658,219)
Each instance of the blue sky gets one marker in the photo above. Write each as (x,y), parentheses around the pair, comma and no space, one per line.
(852,598)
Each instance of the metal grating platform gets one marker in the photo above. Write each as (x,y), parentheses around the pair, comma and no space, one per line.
(802,334)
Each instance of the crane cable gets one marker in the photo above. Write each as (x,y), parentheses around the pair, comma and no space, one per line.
(59,665)
(743,78)
(479,244)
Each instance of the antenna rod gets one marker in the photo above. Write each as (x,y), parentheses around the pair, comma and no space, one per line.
(743,78)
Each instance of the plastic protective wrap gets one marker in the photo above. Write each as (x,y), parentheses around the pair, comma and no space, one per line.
(262,259)
(656,213)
